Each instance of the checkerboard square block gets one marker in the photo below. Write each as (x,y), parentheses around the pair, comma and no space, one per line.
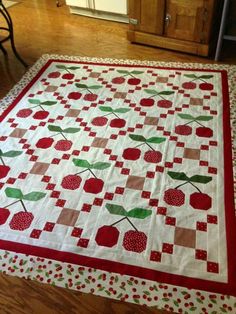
(99,142)
(73,113)
(18,133)
(192,153)
(120,95)
(196,101)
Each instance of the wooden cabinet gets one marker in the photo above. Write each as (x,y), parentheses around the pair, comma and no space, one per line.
(175,24)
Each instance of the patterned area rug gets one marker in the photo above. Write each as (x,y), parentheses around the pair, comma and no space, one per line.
(116,179)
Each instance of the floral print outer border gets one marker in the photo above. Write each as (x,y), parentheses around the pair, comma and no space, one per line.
(112,285)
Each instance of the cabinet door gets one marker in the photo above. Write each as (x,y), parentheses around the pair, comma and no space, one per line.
(188,20)
(113,6)
(79,3)
(147,16)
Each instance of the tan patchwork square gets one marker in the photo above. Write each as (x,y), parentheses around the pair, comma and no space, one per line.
(99,142)
(185,237)
(39,168)
(196,101)
(162,79)
(192,153)
(19,133)
(135,183)
(120,95)
(151,121)
(94,74)
(68,217)
(73,113)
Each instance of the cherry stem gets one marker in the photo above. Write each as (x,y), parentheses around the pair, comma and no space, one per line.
(195,187)
(80,172)
(139,145)
(189,122)
(181,185)
(35,106)
(89,91)
(63,136)
(41,107)
(150,146)
(54,135)
(12,204)
(152,96)
(2,161)
(200,124)
(131,224)
(161,97)
(23,205)
(116,115)
(132,75)
(118,221)
(68,71)
(203,80)
(107,114)
(92,173)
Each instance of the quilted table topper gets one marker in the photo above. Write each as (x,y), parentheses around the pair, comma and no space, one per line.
(122,168)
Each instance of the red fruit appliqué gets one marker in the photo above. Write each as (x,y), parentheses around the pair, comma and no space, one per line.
(4,171)
(90,97)
(54,75)
(131,153)
(206,86)
(107,236)
(174,197)
(93,185)
(134,81)
(135,241)
(117,123)
(21,221)
(24,113)
(4,214)
(147,102)
(152,156)
(71,182)
(68,76)
(40,115)
(63,145)
(183,130)
(45,142)
(74,95)
(164,103)
(204,132)
(118,80)
(200,201)
(99,121)
(189,85)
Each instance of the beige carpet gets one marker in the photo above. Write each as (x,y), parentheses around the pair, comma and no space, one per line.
(9,4)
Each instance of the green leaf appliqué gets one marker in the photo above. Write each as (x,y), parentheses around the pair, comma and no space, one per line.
(14,193)
(34,196)
(116,209)
(81,163)
(138,138)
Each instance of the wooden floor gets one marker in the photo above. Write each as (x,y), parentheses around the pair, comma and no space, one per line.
(41,27)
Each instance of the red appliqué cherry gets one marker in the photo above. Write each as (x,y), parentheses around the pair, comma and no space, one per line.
(107,236)
(21,221)
(93,185)
(4,171)
(174,197)
(45,142)
(71,182)
(131,153)
(135,241)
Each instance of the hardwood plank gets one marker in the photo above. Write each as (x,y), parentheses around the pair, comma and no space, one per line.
(41,27)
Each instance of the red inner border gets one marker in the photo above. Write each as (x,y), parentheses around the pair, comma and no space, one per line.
(106,265)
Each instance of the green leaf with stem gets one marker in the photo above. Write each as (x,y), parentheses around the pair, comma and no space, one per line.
(116,209)
(203,118)
(200,179)
(186,116)
(106,109)
(136,72)
(61,67)
(48,103)
(166,93)
(123,71)
(73,68)
(11,153)
(34,196)
(34,101)
(121,110)
(205,77)
(139,213)
(54,128)
(94,87)
(71,130)
(178,175)
(192,76)
(81,85)
(14,193)
(138,138)
(81,163)
(100,165)
(155,140)
(151,91)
